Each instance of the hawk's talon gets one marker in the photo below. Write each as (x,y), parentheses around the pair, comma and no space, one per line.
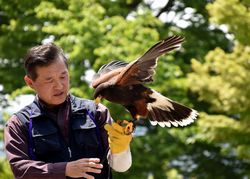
(128,126)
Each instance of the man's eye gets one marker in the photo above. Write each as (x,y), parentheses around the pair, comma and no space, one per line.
(64,77)
(49,81)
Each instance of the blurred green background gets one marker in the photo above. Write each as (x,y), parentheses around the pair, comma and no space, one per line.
(210,72)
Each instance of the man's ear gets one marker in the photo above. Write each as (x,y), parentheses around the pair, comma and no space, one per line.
(28,81)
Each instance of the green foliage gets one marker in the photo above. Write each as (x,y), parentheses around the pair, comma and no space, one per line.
(222,83)
(5,171)
(222,77)
(20,91)
(19,30)
(121,7)
(235,14)
(126,40)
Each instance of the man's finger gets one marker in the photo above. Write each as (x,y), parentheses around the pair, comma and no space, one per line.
(95,160)
(91,170)
(92,165)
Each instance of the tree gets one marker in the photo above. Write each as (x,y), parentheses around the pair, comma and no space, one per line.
(222,82)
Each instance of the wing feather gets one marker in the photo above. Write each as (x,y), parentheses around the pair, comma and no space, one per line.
(107,71)
(143,69)
(111,66)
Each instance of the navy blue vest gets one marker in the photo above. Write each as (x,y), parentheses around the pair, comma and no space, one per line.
(47,144)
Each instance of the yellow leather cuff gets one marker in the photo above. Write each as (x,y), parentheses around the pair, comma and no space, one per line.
(118,140)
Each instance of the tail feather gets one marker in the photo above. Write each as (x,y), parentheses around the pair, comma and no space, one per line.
(166,112)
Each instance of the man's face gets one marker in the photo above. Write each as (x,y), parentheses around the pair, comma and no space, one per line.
(52,82)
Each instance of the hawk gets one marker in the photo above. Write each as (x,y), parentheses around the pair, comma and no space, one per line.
(123,83)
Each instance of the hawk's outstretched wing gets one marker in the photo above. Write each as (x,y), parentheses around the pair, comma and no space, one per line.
(143,69)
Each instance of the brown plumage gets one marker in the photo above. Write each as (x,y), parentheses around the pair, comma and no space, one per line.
(122,83)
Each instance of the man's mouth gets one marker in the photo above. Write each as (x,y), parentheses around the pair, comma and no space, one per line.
(59,94)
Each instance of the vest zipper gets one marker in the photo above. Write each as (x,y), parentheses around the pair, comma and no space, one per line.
(70,154)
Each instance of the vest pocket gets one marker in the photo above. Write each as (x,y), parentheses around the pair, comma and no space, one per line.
(84,130)
(46,140)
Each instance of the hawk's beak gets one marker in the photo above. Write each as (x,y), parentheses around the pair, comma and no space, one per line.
(98,99)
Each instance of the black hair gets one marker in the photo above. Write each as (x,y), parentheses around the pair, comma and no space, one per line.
(42,55)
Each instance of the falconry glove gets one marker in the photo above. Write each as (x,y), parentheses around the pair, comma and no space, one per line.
(118,139)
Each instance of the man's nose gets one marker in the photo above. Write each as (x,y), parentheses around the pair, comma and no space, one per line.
(58,85)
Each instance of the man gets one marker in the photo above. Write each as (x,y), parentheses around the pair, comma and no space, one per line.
(59,135)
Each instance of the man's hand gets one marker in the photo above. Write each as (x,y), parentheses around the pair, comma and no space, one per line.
(79,168)
(118,139)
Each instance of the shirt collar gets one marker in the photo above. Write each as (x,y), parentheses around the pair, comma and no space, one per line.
(39,107)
